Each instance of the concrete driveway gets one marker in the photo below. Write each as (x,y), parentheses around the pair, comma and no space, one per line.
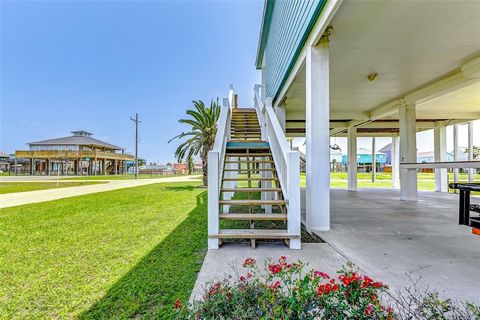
(392,239)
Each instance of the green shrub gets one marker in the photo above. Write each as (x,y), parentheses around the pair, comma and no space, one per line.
(284,290)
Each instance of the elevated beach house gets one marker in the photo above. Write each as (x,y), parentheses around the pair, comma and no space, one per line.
(342,69)
(78,154)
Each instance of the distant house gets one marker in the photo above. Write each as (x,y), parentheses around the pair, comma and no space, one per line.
(79,154)
(387,150)
(364,159)
(4,164)
(155,169)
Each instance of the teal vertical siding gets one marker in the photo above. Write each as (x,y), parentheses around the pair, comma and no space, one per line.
(288,24)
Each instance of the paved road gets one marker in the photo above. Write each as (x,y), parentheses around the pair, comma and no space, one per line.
(21,198)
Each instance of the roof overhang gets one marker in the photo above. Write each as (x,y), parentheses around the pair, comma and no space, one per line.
(262,40)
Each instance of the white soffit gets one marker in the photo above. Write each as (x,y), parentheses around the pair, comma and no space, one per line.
(408,44)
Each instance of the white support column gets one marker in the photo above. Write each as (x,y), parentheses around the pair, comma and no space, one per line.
(213,205)
(440,154)
(470,150)
(352,158)
(318,137)
(408,152)
(395,158)
(455,152)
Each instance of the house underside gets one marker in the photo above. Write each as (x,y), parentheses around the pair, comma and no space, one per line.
(372,69)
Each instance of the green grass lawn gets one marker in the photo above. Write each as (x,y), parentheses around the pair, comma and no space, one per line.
(126,253)
(10,187)
(426,181)
(122,177)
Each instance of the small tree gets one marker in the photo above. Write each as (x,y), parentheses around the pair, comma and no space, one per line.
(476,152)
(190,165)
(201,137)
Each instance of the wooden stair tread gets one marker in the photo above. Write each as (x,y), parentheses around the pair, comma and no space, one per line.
(249,170)
(253,216)
(253,234)
(250,161)
(250,179)
(263,154)
(251,190)
(252,202)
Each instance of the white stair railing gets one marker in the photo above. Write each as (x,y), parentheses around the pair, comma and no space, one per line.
(287,163)
(216,158)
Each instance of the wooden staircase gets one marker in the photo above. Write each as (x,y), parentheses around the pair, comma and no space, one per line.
(250,191)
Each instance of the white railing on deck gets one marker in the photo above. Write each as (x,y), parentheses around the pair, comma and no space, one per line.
(287,162)
(216,158)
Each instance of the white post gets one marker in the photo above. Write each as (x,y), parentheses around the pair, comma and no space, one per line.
(470,150)
(293,187)
(280,112)
(374,161)
(440,154)
(395,158)
(318,137)
(213,197)
(231,95)
(455,151)
(408,152)
(352,158)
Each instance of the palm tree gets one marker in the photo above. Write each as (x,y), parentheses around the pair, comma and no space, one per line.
(201,137)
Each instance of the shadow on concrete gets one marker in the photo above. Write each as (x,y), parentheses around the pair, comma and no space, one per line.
(168,272)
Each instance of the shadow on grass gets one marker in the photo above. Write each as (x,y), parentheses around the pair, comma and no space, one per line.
(168,272)
(182,188)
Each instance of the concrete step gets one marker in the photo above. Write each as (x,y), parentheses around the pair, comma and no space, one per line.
(254,216)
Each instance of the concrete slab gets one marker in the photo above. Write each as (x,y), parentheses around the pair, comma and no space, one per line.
(220,263)
(388,239)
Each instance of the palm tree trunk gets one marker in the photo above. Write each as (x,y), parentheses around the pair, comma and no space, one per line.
(205,171)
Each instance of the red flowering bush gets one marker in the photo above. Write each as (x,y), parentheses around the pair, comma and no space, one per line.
(284,290)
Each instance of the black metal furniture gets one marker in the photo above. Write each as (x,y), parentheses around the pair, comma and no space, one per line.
(465,207)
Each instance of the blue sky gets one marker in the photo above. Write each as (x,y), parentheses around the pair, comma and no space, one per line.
(91,65)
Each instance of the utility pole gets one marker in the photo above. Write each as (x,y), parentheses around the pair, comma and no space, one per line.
(136,142)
